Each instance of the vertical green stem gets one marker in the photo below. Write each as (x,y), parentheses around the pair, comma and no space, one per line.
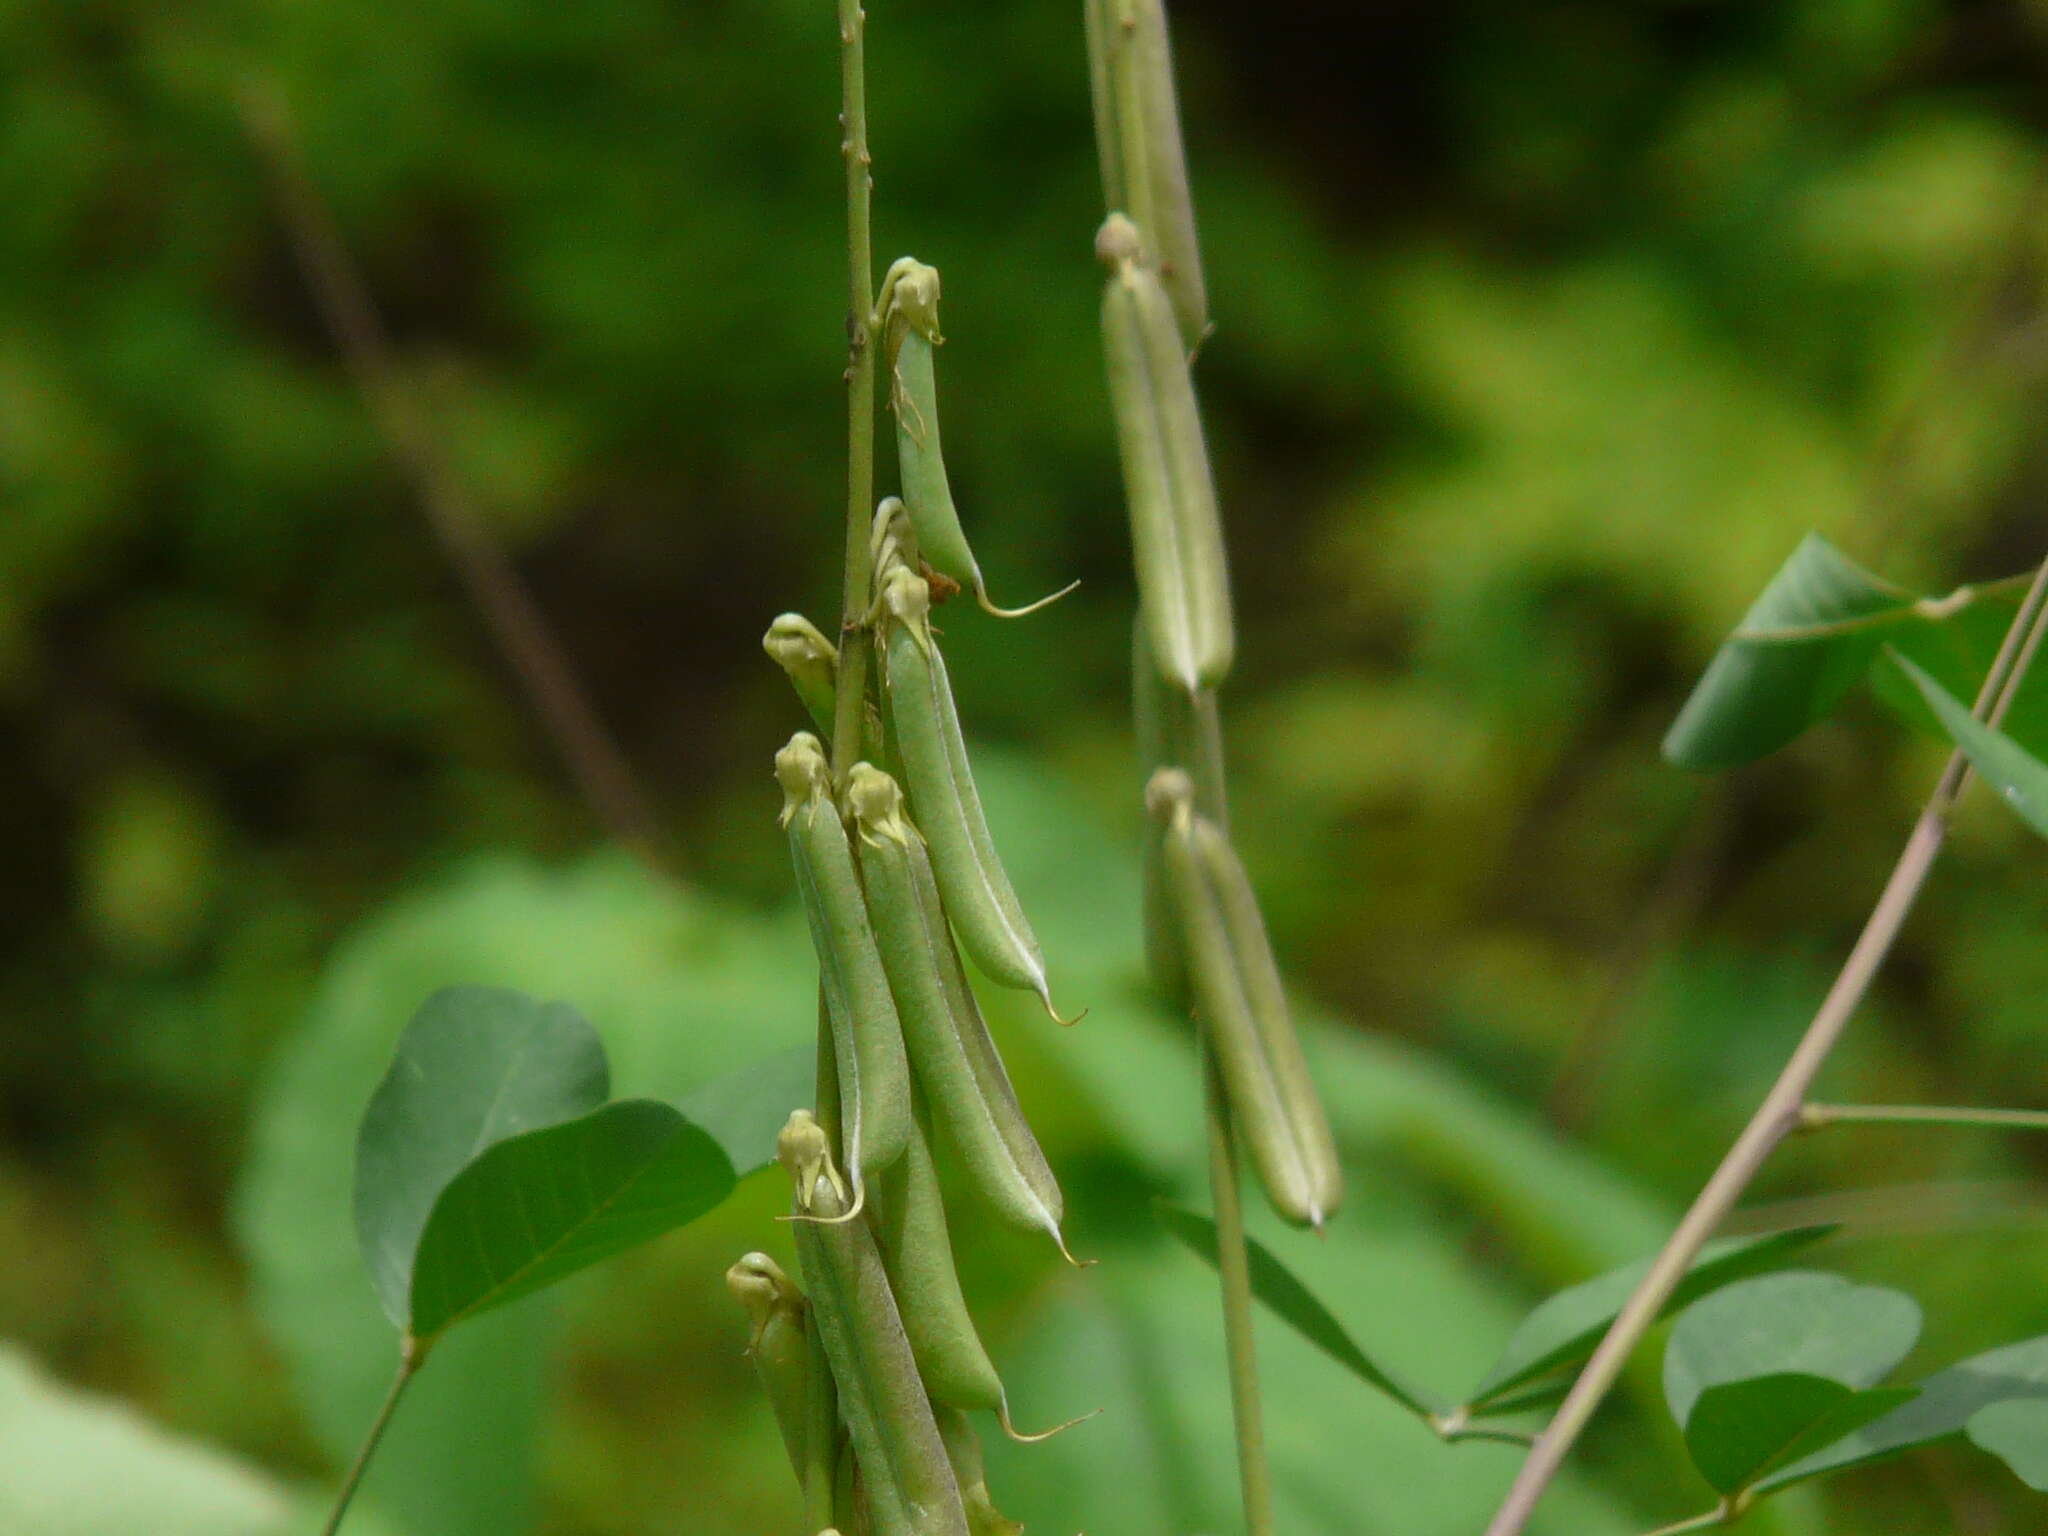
(860,450)
(860,387)
(1234,1268)
(408,1363)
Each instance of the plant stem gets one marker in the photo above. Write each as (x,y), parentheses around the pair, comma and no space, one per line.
(1712,1517)
(409,1360)
(860,454)
(1234,1269)
(517,625)
(1780,1113)
(1815,1117)
(860,388)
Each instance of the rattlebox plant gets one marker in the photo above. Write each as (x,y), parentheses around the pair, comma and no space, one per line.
(493,1159)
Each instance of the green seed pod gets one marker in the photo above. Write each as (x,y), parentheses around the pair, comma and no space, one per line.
(910,1226)
(867,1040)
(963,1448)
(926,735)
(1100,27)
(1153,158)
(906,1479)
(910,331)
(1176,531)
(1240,1003)
(952,1055)
(779,1344)
(800,648)
(1174,729)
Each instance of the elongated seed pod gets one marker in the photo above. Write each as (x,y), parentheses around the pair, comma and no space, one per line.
(867,1039)
(1243,1009)
(917,1251)
(779,1345)
(906,1478)
(811,661)
(926,735)
(1153,158)
(952,1055)
(1099,26)
(824,1437)
(1176,531)
(910,331)
(1182,730)
(910,1226)
(963,1448)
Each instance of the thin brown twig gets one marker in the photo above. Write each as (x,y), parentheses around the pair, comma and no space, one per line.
(1779,1114)
(515,622)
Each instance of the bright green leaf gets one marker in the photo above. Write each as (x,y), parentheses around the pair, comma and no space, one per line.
(1799,1322)
(1803,644)
(2016,1432)
(1564,1329)
(475,1065)
(1739,1430)
(1957,653)
(536,1208)
(1276,1286)
(2020,779)
(1948,1400)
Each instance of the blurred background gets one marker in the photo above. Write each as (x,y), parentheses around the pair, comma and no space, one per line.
(1543,333)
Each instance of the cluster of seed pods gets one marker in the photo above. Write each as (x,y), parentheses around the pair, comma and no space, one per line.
(875,1362)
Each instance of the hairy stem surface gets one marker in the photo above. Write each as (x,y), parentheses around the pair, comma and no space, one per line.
(860,387)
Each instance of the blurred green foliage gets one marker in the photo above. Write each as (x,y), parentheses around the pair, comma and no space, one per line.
(1543,336)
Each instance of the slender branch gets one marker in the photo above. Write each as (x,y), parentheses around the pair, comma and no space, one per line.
(1816,1117)
(516,623)
(860,456)
(1780,1113)
(1234,1268)
(410,1358)
(860,387)
(1713,1517)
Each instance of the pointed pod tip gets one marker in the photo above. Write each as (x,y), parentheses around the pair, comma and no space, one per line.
(990,606)
(1018,1435)
(1059,1239)
(1045,999)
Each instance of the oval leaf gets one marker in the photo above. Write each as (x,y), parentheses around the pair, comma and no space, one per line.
(1739,1430)
(1564,1329)
(536,1208)
(1947,1402)
(1796,1322)
(475,1065)
(2020,779)
(2016,1432)
(1804,643)
(1275,1285)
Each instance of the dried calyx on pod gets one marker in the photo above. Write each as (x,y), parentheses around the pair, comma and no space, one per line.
(925,730)
(1176,529)
(910,330)
(1240,1004)
(867,1040)
(905,1476)
(952,1054)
